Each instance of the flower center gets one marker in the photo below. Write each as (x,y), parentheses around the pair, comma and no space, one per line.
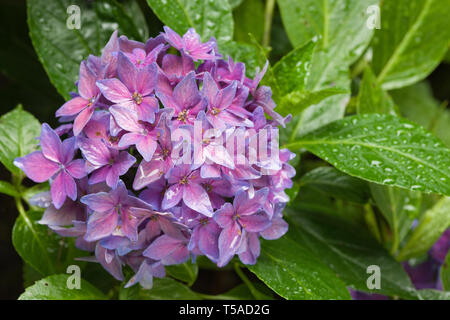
(215,111)
(91,101)
(184,180)
(137,97)
(207,187)
(204,221)
(154,218)
(182,116)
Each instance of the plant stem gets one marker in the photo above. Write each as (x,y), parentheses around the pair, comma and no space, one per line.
(247,282)
(268,15)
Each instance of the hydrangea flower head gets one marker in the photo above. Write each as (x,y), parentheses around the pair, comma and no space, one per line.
(166,155)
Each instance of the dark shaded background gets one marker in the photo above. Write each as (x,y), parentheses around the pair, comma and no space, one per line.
(23,80)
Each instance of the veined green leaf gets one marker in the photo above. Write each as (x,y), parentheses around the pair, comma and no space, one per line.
(412,40)
(55,288)
(38,246)
(383,149)
(61,49)
(349,250)
(293,272)
(372,98)
(336,184)
(18,133)
(210,18)
(163,289)
(431,225)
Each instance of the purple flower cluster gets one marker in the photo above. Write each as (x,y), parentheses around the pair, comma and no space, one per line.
(120,182)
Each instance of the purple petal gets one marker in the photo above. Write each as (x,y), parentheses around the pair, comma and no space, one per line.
(51,144)
(172,196)
(77,169)
(127,119)
(81,120)
(148,172)
(95,151)
(101,225)
(196,198)
(72,107)
(36,166)
(278,228)
(114,90)
(243,205)
(255,222)
(224,216)
(114,266)
(63,186)
(229,242)
(186,92)
(99,202)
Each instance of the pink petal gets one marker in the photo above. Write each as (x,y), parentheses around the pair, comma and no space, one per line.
(72,107)
(148,172)
(37,167)
(244,206)
(95,151)
(127,72)
(196,198)
(146,147)
(147,109)
(81,120)
(99,202)
(255,222)
(172,196)
(62,186)
(86,83)
(114,90)
(224,216)
(186,92)
(127,119)
(101,225)
(146,80)
(229,242)
(77,169)
(50,144)
(173,38)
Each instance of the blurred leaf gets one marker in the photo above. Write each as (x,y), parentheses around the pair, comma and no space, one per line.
(293,272)
(349,250)
(297,101)
(430,294)
(412,41)
(163,289)
(38,246)
(8,189)
(431,225)
(55,288)
(445,273)
(336,184)
(18,133)
(338,25)
(30,275)
(339,28)
(417,103)
(235,3)
(210,18)
(249,18)
(60,49)
(186,272)
(383,149)
(400,208)
(372,98)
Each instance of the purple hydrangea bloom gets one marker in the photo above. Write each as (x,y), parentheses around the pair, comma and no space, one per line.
(172,120)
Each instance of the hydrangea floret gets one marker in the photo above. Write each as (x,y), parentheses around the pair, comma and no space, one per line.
(166,152)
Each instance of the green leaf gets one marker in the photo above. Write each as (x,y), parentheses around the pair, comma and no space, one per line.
(61,49)
(430,294)
(210,18)
(8,189)
(55,288)
(431,225)
(383,149)
(292,71)
(163,289)
(334,183)
(372,98)
(186,272)
(248,18)
(235,3)
(417,104)
(349,250)
(340,30)
(400,208)
(412,41)
(338,25)
(38,246)
(445,273)
(293,272)
(18,133)
(297,101)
